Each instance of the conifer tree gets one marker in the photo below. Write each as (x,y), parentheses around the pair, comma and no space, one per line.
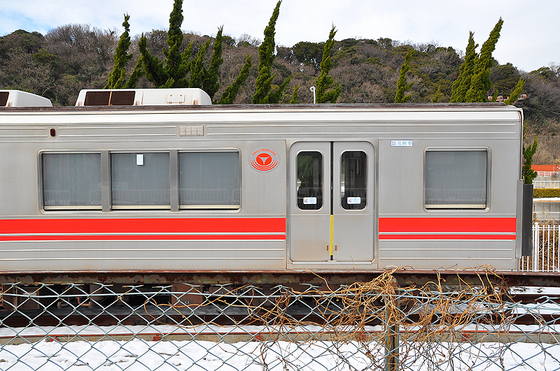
(528,153)
(263,84)
(117,77)
(210,80)
(179,70)
(402,85)
(480,82)
(437,95)
(197,67)
(324,81)
(175,62)
(294,99)
(173,71)
(516,92)
(462,84)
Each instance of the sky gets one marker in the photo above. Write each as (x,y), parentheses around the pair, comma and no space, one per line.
(530,36)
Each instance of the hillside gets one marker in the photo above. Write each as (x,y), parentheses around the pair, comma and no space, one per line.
(73,57)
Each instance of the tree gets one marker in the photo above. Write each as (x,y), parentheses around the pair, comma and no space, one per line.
(178,69)
(462,84)
(294,99)
(480,81)
(530,150)
(516,92)
(309,53)
(117,77)
(324,81)
(211,78)
(402,85)
(437,95)
(172,73)
(528,153)
(263,84)
(197,67)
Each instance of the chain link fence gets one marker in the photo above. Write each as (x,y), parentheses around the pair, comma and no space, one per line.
(374,325)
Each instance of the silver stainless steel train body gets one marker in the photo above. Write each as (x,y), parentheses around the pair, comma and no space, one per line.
(260,187)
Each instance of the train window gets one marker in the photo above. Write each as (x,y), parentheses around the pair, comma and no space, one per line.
(310,180)
(209,180)
(456,179)
(140,181)
(353,179)
(71,181)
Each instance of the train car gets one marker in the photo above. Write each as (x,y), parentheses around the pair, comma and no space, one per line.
(159,180)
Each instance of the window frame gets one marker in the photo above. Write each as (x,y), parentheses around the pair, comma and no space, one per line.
(458,207)
(106,168)
(319,191)
(203,207)
(344,204)
(42,192)
(113,206)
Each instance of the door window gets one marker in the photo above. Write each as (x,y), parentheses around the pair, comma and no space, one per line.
(309,180)
(353,180)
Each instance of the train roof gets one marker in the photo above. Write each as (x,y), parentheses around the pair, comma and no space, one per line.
(264,107)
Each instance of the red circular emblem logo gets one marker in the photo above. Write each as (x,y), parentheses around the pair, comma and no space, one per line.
(263,159)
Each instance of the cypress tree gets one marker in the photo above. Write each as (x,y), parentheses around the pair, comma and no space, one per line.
(516,91)
(324,81)
(263,84)
(197,67)
(176,63)
(462,84)
(528,153)
(480,82)
(153,67)
(117,77)
(210,80)
(136,74)
(173,71)
(402,85)
(437,95)
(294,99)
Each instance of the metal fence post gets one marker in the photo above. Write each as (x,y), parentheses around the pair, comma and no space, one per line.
(391,329)
(536,247)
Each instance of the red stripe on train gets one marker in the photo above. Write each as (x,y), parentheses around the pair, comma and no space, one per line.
(447,237)
(447,225)
(136,237)
(152,225)
(143,229)
(447,228)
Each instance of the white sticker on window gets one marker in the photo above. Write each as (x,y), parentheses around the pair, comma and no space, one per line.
(310,200)
(354,200)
